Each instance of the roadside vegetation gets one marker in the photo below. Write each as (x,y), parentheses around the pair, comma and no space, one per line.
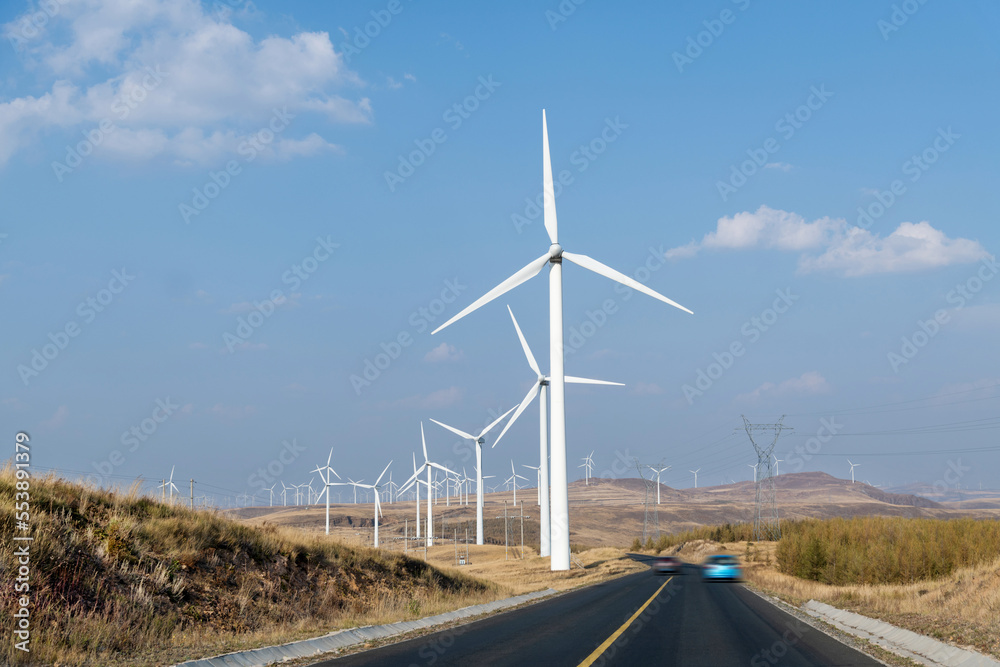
(117,578)
(884,550)
(938,577)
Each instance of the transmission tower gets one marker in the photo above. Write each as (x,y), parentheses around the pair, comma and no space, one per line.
(651,519)
(765,518)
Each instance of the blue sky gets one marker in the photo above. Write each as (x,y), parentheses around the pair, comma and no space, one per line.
(221,156)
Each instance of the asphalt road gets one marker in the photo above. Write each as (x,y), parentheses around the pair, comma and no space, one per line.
(685,621)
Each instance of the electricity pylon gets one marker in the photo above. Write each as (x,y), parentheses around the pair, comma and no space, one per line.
(649,523)
(766,525)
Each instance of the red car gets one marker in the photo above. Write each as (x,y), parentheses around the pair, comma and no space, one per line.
(666,565)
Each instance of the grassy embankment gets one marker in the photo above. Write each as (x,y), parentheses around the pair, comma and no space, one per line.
(121,579)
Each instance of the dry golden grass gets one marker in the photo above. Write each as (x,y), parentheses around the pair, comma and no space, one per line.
(962,608)
(533,573)
(121,579)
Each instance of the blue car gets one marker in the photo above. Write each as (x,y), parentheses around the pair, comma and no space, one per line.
(721,567)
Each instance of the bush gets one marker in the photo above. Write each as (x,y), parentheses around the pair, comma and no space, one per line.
(884,550)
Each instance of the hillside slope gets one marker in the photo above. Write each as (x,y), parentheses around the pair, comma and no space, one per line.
(121,579)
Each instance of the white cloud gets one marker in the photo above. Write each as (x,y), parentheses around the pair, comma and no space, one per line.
(176,81)
(782,166)
(443,352)
(848,250)
(911,247)
(807,383)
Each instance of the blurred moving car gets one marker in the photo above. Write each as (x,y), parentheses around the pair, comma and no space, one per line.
(722,566)
(666,565)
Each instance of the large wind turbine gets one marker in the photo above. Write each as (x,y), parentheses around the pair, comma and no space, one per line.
(554,257)
(479,440)
(695,476)
(853,466)
(539,388)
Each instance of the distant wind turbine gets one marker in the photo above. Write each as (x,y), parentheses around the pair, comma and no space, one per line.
(695,477)
(378,504)
(853,466)
(776,462)
(479,440)
(513,479)
(754,466)
(659,470)
(427,466)
(326,473)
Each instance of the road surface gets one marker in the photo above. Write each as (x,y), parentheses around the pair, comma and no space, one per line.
(679,620)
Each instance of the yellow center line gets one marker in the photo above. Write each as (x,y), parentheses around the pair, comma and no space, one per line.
(618,633)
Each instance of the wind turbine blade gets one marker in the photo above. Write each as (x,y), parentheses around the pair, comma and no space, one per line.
(525,274)
(524,345)
(172,473)
(383,474)
(423,441)
(528,398)
(441,467)
(329,457)
(551,226)
(593,265)
(461,434)
(576,380)
(495,422)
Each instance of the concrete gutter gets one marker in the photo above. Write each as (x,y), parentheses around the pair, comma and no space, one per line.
(261,657)
(923,649)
